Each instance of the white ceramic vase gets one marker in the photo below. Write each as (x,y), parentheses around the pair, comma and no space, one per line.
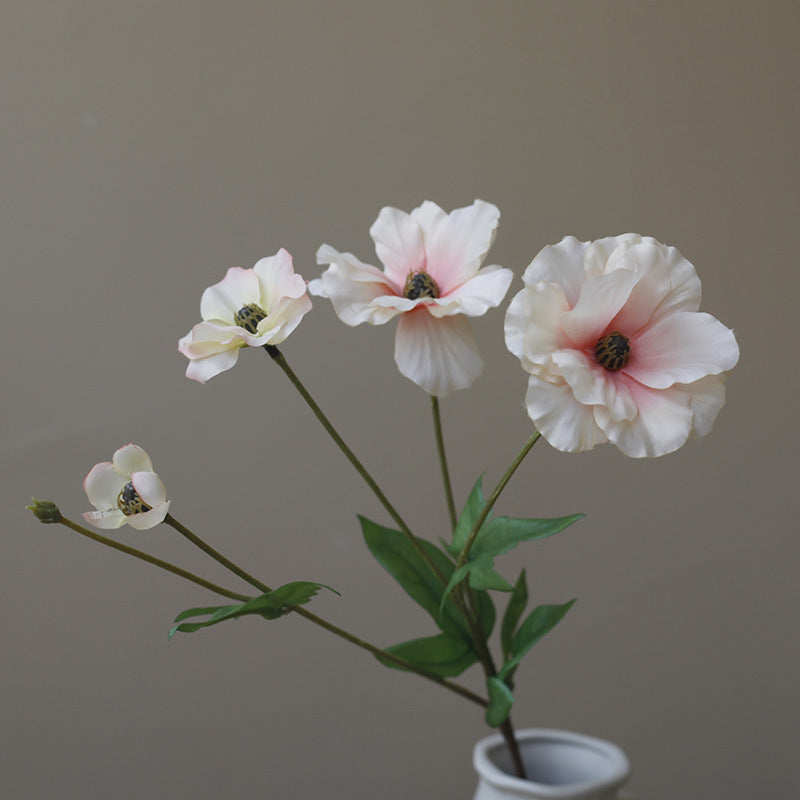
(559,765)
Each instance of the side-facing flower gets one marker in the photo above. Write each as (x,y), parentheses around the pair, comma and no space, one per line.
(126,489)
(432,279)
(251,307)
(616,348)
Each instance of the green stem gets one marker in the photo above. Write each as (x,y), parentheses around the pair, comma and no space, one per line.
(323,623)
(279,359)
(157,562)
(493,497)
(448,489)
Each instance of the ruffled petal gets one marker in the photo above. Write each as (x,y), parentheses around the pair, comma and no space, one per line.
(103,485)
(439,355)
(149,519)
(106,520)
(682,348)
(208,338)
(202,369)
(150,488)
(398,243)
(662,425)
(283,319)
(561,263)
(456,243)
(706,398)
(238,288)
(351,286)
(277,280)
(475,297)
(566,424)
(130,459)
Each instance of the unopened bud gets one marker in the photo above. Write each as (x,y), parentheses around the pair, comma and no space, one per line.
(45,510)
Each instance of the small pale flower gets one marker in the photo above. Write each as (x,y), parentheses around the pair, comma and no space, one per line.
(126,490)
(616,348)
(251,307)
(431,279)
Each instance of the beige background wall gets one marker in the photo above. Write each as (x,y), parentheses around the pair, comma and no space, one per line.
(145,147)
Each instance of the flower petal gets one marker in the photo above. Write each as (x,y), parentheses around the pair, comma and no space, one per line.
(107,520)
(103,485)
(238,288)
(149,519)
(277,280)
(149,487)
(351,286)
(456,243)
(561,263)
(706,398)
(566,424)
(682,348)
(398,243)
(662,425)
(203,368)
(439,355)
(130,459)
(485,290)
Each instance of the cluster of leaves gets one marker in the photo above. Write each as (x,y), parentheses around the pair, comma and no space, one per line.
(451,651)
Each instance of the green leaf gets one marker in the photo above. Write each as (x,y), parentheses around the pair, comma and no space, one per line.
(469,516)
(443,655)
(271,605)
(500,534)
(482,576)
(395,553)
(538,623)
(500,702)
(514,609)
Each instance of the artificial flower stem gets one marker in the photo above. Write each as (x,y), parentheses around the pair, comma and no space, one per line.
(217,556)
(157,562)
(448,488)
(493,497)
(323,623)
(279,359)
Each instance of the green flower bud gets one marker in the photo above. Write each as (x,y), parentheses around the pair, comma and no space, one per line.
(45,510)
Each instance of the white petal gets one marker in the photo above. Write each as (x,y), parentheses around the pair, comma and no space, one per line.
(682,347)
(282,320)
(202,369)
(107,520)
(149,487)
(351,286)
(662,425)
(277,280)
(475,297)
(103,485)
(706,398)
(130,459)
(533,324)
(561,263)
(599,252)
(209,338)
(439,355)
(149,519)
(567,424)
(238,288)
(398,243)
(455,244)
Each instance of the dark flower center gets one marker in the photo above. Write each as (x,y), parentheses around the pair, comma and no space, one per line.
(129,502)
(612,351)
(420,284)
(249,316)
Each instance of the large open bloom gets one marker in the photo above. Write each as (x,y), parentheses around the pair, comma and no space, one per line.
(252,307)
(616,348)
(432,279)
(126,489)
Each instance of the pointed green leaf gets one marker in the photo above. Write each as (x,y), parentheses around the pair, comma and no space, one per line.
(395,553)
(501,534)
(500,701)
(271,605)
(482,576)
(538,623)
(469,516)
(514,609)
(443,655)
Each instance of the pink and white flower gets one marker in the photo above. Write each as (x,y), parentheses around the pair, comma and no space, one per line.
(251,307)
(126,489)
(431,279)
(616,348)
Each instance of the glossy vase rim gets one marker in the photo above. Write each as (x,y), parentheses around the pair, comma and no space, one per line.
(613,766)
